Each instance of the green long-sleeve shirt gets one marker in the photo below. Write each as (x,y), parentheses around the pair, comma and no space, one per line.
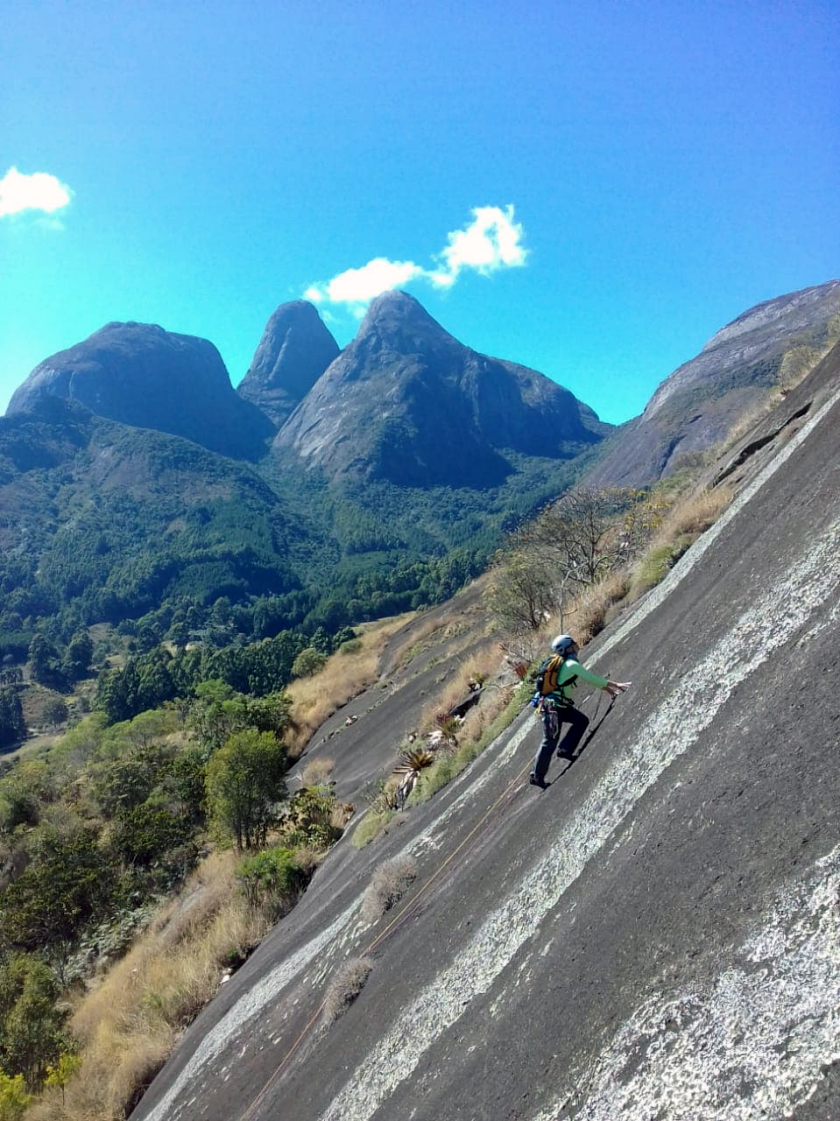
(570,673)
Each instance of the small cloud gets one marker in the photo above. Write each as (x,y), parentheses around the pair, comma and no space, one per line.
(360,286)
(492,241)
(39,191)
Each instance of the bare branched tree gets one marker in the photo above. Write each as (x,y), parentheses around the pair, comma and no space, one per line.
(591,531)
(522,592)
(572,544)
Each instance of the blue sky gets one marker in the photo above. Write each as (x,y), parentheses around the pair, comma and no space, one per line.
(591,189)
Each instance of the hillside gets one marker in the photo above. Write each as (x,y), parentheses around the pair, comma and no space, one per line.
(655,935)
(103,522)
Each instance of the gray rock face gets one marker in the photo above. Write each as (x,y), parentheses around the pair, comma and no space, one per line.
(653,936)
(407,402)
(697,404)
(147,377)
(294,351)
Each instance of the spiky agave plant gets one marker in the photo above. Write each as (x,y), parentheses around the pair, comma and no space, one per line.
(414,761)
(448,727)
(410,765)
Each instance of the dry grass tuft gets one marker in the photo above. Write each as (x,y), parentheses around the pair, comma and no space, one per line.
(345,987)
(696,513)
(387,886)
(317,772)
(592,608)
(479,666)
(686,520)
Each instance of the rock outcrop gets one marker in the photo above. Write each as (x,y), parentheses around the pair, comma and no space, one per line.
(147,377)
(294,351)
(407,402)
(695,407)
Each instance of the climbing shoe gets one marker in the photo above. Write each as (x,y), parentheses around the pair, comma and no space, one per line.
(535,781)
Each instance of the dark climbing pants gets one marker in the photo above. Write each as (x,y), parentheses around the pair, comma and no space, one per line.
(553,717)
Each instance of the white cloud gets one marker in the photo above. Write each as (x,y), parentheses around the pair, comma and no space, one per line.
(359,286)
(39,191)
(492,241)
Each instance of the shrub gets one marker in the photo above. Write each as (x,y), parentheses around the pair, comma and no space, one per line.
(387,886)
(311,820)
(593,607)
(308,662)
(371,826)
(345,987)
(145,833)
(271,881)
(13,1097)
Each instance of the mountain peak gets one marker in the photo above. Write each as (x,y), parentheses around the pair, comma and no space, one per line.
(394,302)
(396,315)
(147,377)
(408,403)
(293,352)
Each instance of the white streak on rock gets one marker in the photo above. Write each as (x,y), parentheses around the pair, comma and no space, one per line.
(752,1046)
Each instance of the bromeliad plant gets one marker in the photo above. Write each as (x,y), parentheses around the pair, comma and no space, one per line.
(411,764)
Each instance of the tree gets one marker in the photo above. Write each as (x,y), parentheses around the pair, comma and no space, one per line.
(572,544)
(23,793)
(55,711)
(61,1072)
(321,641)
(244,784)
(30,1024)
(216,713)
(585,533)
(272,713)
(523,592)
(78,655)
(43,660)
(145,833)
(308,662)
(185,784)
(64,886)
(12,723)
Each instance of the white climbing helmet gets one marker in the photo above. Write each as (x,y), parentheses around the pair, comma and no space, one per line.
(562,643)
